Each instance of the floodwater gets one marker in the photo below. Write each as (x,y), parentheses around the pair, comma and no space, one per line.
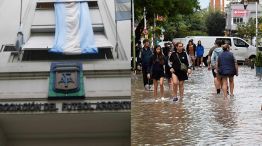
(202,117)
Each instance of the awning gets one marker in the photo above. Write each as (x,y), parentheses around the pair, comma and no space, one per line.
(45,42)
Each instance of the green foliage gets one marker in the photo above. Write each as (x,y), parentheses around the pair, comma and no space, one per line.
(164,7)
(215,23)
(184,25)
(170,9)
(247,30)
(258,61)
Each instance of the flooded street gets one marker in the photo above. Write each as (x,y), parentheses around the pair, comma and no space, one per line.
(202,117)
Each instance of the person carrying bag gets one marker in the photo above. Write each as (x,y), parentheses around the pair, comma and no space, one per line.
(180,68)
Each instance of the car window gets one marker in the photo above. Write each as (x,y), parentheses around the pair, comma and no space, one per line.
(225,40)
(239,43)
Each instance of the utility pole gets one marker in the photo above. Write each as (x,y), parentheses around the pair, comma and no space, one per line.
(256,27)
(133,36)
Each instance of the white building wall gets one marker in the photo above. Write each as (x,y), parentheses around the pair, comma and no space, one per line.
(226,3)
(95,87)
(38,88)
(124,29)
(111,6)
(252,14)
(25,88)
(10,15)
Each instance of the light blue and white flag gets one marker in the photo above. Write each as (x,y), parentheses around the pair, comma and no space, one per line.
(73,32)
(123,10)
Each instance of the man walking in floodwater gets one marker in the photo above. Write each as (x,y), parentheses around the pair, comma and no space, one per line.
(211,66)
(145,56)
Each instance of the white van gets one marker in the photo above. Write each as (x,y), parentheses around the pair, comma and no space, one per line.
(241,49)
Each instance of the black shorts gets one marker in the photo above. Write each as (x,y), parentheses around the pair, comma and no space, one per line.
(181,75)
(168,73)
(214,74)
(158,75)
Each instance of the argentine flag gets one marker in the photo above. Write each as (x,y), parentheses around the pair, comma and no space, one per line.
(73,32)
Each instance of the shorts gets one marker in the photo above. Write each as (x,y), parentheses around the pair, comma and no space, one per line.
(181,75)
(226,76)
(199,56)
(168,73)
(158,75)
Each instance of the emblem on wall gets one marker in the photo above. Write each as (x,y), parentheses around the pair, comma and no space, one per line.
(66,81)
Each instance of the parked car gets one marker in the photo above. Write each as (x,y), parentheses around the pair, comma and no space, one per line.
(241,49)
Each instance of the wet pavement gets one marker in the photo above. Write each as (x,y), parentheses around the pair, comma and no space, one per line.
(202,117)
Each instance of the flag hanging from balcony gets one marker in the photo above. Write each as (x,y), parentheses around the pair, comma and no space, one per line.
(73,32)
(123,10)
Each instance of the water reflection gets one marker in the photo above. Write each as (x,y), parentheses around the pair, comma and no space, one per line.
(202,117)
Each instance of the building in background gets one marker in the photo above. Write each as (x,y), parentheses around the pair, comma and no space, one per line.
(220,5)
(235,14)
(217,5)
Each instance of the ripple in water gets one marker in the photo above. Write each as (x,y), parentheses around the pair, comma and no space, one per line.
(201,117)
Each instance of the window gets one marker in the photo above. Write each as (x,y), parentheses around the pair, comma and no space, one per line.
(44,55)
(240,43)
(50,5)
(237,20)
(8,48)
(225,40)
(47,5)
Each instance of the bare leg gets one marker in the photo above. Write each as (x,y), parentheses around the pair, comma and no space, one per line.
(155,87)
(161,83)
(181,89)
(231,85)
(170,83)
(219,82)
(224,86)
(193,62)
(197,61)
(201,61)
(175,84)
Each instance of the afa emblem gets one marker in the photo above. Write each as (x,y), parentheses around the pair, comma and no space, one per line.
(66,81)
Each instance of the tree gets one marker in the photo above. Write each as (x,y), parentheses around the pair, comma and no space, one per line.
(167,8)
(215,23)
(247,30)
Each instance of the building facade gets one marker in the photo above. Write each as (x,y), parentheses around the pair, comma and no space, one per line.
(235,14)
(217,5)
(220,5)
(59,100)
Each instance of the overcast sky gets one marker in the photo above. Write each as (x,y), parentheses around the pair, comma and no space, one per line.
(203,3)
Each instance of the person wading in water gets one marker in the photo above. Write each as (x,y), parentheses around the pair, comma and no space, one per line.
(179,74)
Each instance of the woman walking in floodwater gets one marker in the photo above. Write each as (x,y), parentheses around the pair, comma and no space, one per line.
(157,70)
(179,75)
(227,67)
